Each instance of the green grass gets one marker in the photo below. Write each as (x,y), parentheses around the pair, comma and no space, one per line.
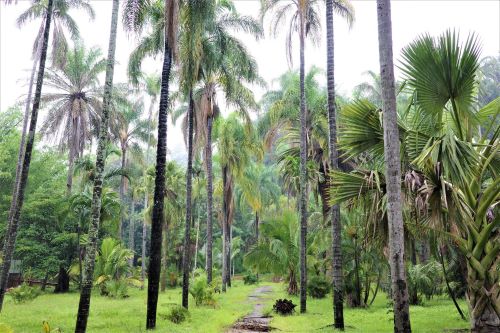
(435,315)
(126,315)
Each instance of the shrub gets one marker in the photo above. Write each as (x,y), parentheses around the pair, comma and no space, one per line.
(117,288)
(318,287)
(202,293)
(250,278)
(177,314)
(24,293)
(284,307)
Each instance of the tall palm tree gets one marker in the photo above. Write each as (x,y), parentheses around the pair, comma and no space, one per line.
(61,18)
(345,9)
(74,106)
(86,290)
(129,129)
(236,144)
(305,21)
(18,193)
(163,16)
(393,170)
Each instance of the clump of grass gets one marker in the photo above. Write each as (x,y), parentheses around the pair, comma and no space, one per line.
(177,314)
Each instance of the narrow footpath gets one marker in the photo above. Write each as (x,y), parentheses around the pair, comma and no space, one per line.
(255,321)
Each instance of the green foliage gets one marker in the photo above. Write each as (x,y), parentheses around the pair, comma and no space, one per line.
(250,278)
(5,329)
(47,329)
(202,292)
(425,279)
(24,293)
(177,314)
(318,286)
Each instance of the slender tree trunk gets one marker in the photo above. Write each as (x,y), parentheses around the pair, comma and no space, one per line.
(393,170)
(131,231)
(146,198)
(256,227)
(163,283)
(196,242)
(225,225)
(450,291)
(122,194)
(376,288)
(187,230)
(210,193)
(86,290)
(337,275)
(357,292)
(229,259)
(79,253)
(18,196)
(303,171)
(159,195)
(22,144)
(71,156)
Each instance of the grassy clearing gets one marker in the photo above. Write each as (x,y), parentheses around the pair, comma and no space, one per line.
(435,316)
(126,315)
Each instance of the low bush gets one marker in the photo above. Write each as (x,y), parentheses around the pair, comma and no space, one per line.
(250,278)
(318,287)
(24,293)
(177,314)
(284,307)
(202,292)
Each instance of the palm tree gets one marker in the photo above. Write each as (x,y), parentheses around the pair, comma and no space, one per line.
(18,195)
(129,129)
(345,9)
(393,170)
(61,18)
(152,84)
(163,16)
(74,107)
(236,143)
(278,251)
(86,290)
(305,20)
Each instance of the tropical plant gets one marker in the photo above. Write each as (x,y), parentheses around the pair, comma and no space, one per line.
(19,188)
(86,290)
(304,21)
(24,293)
(177,314)
(74,106)
(163,18)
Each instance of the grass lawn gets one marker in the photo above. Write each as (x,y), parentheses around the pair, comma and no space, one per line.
(125,315)
(128,315)
(436,315)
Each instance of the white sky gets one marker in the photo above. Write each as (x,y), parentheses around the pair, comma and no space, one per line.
(356,50)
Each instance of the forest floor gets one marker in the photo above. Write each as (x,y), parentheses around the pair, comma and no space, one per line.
(127,315)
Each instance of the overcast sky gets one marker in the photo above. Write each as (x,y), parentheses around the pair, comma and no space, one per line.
(356,50)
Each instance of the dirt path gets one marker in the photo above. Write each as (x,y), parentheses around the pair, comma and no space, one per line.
(255,321)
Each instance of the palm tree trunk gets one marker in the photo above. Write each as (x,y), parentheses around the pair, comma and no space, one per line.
(196,242)
(450,291)
(337,278)
(229,259)
(71,156)
(393,170)
(256,227)
(122,194)
(225,225)
(163,283)
(159,194)
(86,290)
(18,196)
(187,230)
(303,171)
(131,231)
(210,193)
(357,292)
(146,199)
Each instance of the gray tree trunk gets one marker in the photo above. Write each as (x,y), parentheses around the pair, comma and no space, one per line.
(88,273)
(122,190)
(337,277)
(18,196)
(303,171)
(131,230)
(393,170)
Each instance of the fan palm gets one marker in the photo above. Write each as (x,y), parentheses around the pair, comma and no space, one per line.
(74,106)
